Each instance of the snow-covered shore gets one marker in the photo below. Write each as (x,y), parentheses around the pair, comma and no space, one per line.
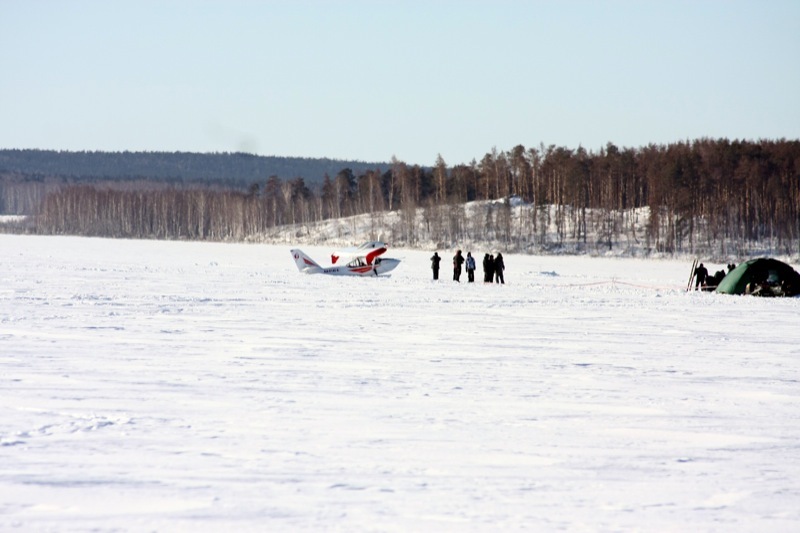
(154,385)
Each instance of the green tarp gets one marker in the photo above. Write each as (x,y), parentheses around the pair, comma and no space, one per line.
(764,277)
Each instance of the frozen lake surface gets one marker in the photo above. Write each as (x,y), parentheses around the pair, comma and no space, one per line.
(178,386)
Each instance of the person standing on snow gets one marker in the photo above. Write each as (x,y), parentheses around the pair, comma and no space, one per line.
(435,260)
(499,266)
(458,260)
(701,273)
(487,268)
(470,266)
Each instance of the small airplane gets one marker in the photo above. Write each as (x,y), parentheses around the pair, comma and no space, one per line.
(362,260)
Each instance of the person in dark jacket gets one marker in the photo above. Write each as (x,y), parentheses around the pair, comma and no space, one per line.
(470,266)
(488,272)
(701,273)
(499,266)
(435,260)
(458,260)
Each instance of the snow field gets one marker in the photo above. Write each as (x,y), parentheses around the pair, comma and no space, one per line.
(177,385)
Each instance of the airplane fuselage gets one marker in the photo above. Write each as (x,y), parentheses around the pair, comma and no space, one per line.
(379,266)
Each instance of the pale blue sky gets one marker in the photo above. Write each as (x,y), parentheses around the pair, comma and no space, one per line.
(369,80)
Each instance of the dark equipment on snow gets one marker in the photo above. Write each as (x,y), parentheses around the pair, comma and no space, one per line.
(761,277)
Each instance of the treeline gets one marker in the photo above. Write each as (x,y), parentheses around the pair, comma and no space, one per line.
(696,193)
(234,168)
(152,211)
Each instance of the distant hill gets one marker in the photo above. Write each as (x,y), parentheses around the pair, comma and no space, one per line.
(237,168)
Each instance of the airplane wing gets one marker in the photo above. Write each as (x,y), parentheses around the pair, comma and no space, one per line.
(369,251)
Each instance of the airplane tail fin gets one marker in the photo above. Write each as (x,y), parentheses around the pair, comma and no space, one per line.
(305,263)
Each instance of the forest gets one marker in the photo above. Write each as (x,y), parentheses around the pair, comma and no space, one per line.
(234,169)
(695,195)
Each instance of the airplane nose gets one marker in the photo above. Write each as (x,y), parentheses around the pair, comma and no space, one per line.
(388,264)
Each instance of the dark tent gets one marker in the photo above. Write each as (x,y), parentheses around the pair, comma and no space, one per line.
(762,277)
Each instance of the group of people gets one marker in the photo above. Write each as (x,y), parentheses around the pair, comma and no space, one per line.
(493,267)
(704,279)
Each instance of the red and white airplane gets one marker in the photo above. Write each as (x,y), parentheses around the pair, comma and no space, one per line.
(364,260)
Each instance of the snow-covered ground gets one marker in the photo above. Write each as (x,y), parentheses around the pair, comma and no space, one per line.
(184,386)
